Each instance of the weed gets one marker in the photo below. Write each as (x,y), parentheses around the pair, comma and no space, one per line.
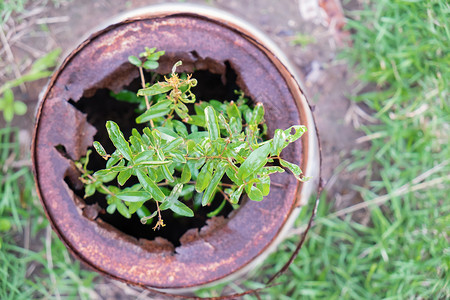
(41,267)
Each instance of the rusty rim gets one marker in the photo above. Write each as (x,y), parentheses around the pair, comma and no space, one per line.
(100,62)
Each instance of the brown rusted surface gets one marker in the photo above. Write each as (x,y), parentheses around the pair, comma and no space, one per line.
(215,251)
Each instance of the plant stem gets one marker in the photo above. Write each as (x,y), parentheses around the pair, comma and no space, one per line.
(94,180)
(194,182)
(224,195)
(160,222)
(147,103)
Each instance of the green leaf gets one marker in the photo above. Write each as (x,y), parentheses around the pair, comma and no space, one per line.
(134,196)
(135,60)
(212,123)
(293,168)
(173,144)
(204,176)
(255,194)
(150,186)
(278,143)
(299,131)
(258,114)
(271,170)
(150,65)
(7,105)
(100,150)
(8,97)
(118,140)
(153,163)
(185,174)
(123,176)
(224,124)
(177,156)
(111,170)
(197,120)
(134,206)
(5,225)
(155,89)
(126,96)
(256,160)
(46,62)
(174,194)
(236,125)
(200,108)
(212,186)
(111,208)
(231,173)
(165,133)
(148,52)
(233,111)
(123,210)
(264,185)
(114,159)
(158,110)
(167,173)
(8,114)
(248,115)
(109,189)
(136,145)
(89,190)
(181,209)
(236,195)
(182,110)
(155,56)
(136,134)
(176,206)
(220,107)
(20,108)
(197,136)
(115,169)
(180,128)
(144,156)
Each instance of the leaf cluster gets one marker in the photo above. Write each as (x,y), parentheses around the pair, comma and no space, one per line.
(216,147)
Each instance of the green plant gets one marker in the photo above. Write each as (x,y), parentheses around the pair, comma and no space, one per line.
(39,70)
(9,7)
(302,39)
(187,151)
(34,264)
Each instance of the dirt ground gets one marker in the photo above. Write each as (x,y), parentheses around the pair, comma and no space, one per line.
(325,79)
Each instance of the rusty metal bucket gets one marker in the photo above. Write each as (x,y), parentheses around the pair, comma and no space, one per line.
(204,39)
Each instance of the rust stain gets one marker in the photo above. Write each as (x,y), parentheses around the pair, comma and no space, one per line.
(214,252)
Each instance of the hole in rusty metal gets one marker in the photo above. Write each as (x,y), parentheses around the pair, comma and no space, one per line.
(218,87)
(102,107)
(62,150)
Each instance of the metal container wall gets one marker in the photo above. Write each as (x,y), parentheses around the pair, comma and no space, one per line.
(204,39)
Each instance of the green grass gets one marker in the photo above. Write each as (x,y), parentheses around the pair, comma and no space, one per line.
(400,50)
(8,7)
(43,269)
